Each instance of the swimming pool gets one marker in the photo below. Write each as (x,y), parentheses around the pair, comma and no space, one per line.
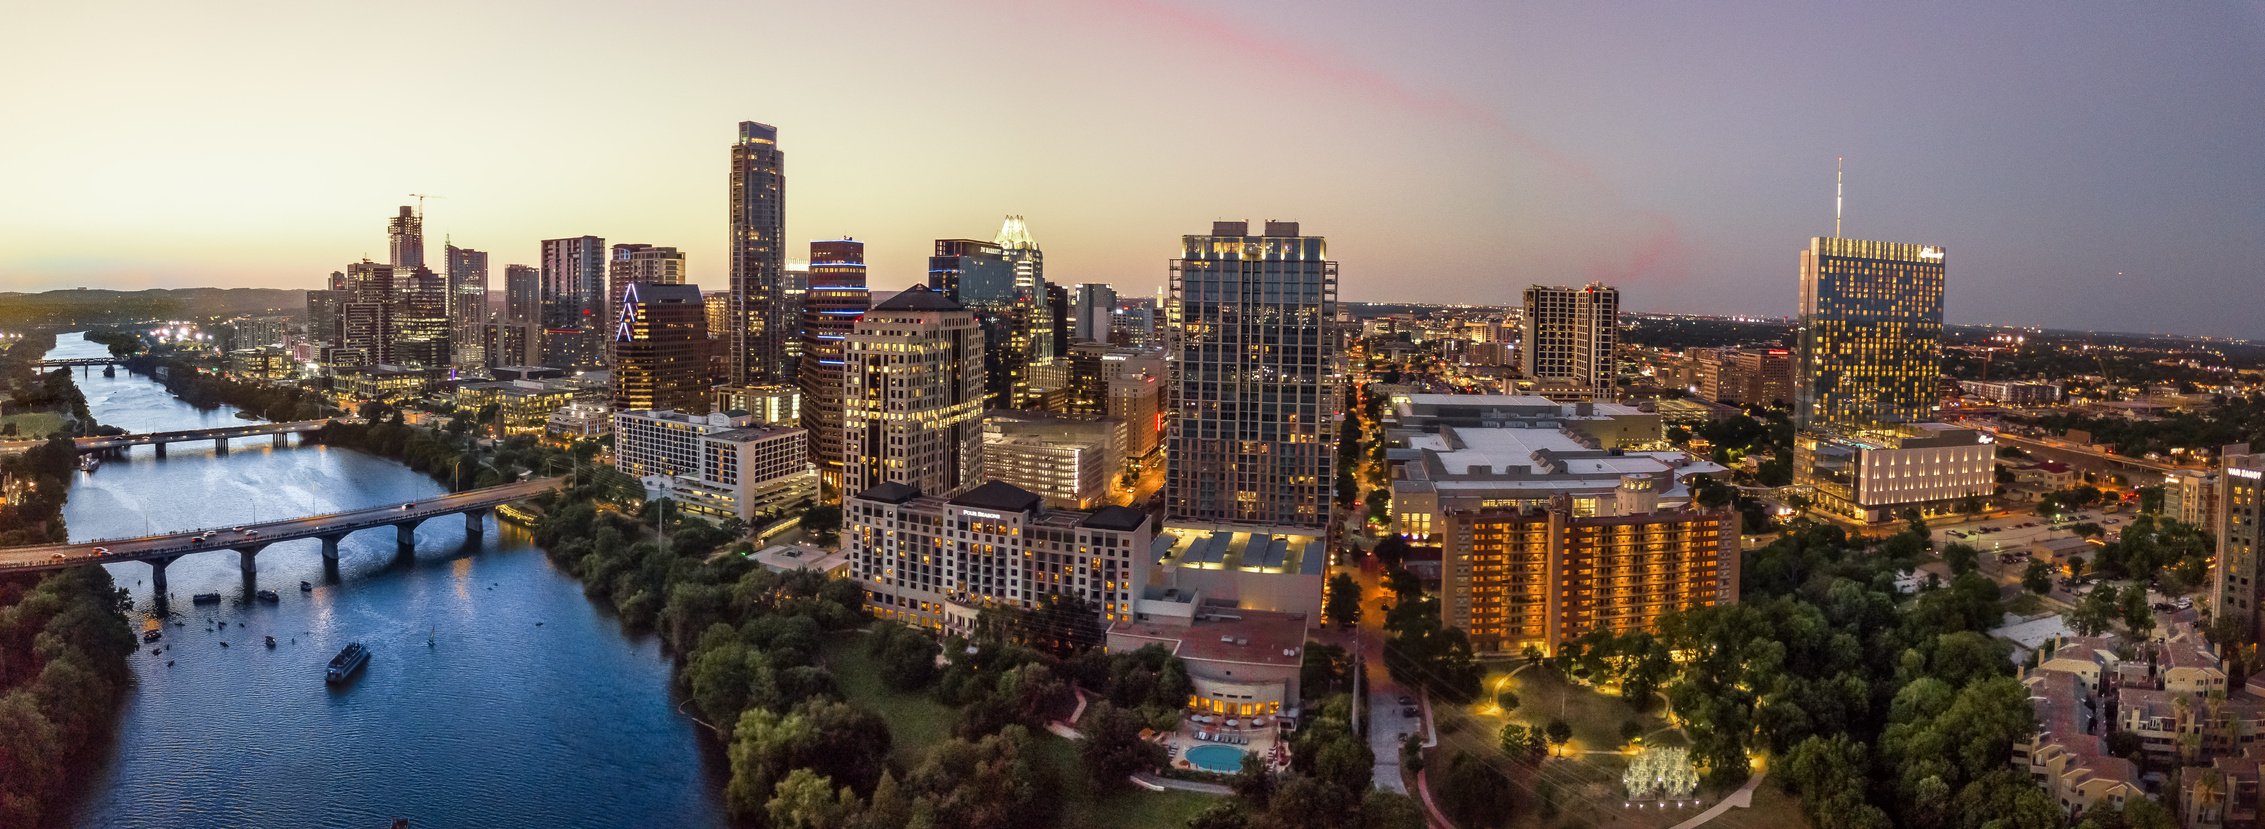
(1221,759)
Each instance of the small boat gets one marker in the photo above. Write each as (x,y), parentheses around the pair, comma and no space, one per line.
(206,598)
(223,624)
(154,651)
(169,663)
(271,641)
(306,588)
(152,635)
(268,596)
(89,462)
(224,644)
(346,663)
(247,416)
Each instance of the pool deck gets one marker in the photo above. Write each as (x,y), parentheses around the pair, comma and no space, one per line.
(1262,741)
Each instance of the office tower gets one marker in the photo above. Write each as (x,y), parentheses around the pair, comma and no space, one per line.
(1518,577)
(1570,336)
(794,288)
(634,263)
(323,315)
(717,465)
(1057,326)
(406,233)
(1135,324)
(574,284)
(831,306)
(914,556)
(422,332)
(719,313)
(1253,350)
(979,276)
(1870,335)
(522,293)
(660,349)
(1096,311)
(761,322)
(912,397)
(2237,584)
(468,304)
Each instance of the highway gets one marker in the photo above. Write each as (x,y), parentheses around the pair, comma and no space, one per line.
(165,547)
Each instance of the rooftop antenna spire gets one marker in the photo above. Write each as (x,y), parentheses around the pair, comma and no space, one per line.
(1836,195)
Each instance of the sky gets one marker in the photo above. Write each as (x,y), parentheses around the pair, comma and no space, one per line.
(2086,165)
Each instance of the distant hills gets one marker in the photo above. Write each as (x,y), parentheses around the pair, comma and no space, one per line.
(94,306)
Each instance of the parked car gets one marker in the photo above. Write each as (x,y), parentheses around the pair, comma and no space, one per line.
(1407,700)
(1409,712)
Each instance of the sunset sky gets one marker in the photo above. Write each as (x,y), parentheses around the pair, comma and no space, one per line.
(2087,165)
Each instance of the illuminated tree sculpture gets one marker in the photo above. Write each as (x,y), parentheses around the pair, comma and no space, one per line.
(1661,774)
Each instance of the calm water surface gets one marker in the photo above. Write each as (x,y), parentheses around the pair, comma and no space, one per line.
(497,695)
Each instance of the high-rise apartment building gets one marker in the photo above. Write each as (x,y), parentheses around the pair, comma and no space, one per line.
(1870,336)
(934,561)
(660,349)
(1542,577)
(523,294)
(1095,312)
(405,235)
(323,307)
(1254,355)
(634,263)
(761,322)
(831,307)
(1741,376)
(912,397)
(468,304)
(510,343)
(422,332)
(1571,335)
(573,299)
(2237,582)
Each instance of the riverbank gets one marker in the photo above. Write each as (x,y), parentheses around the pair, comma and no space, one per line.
(63,641)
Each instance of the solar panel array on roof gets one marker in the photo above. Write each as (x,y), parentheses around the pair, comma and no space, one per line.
(1266,552)
(1212,549)
(1160,548)
(1310,558)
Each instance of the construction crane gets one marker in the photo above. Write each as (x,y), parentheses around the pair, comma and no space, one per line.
(421,197)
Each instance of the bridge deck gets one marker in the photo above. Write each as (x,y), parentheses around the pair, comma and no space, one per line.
(165,546)
(248,430)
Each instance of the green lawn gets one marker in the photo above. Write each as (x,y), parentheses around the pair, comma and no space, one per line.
(34,424)
(917,721)
(1544,696)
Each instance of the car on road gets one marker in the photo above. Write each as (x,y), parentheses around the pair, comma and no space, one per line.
(1407,700)
(405,507)
(101,551)
(239,529)
(58,557)
(251,533)
(1409,712)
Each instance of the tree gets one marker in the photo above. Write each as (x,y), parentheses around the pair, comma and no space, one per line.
(1559,733)
(1472,793)
(1344,605)
(1522,744)
(1507,701)
(2038,577)
(2096,612)
(807,800)
(822,523)
(1962,558)
(1253,782)
(1113,749)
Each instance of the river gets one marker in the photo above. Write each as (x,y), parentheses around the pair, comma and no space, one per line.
(498,695)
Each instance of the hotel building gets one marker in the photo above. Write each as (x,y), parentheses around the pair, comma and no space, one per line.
(2237,584)
(1870,333)
(936,562)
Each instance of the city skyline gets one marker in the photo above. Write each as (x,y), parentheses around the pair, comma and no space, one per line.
(1648,150)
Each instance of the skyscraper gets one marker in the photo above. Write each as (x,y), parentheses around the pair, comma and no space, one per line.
(912,397)
(1570,337)
(1869,344)
(761,322)
(406,233)
(634,263)
(831,307)
(1096,308)
(522,293)
(659,348)
(422,334)
(1254,359)
(574,284)
(468,304)
(979,276)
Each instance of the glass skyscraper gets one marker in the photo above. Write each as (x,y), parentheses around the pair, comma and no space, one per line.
(1871,333)
(762,320)
(1254,359)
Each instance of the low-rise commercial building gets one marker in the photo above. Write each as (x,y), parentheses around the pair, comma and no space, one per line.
(774,405)
(522,406)
(580,421)
(1608,425)
(2012,392)
(1873,475)
(1067,459)
(717,465)
(1274,569)
(1242,663)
